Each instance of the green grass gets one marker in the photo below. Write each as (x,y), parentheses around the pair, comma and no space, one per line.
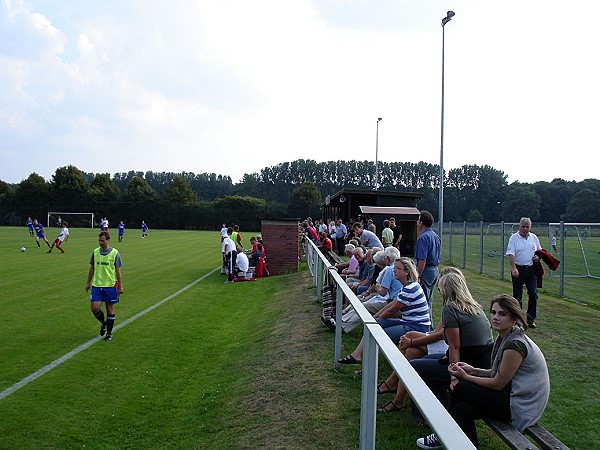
(244,365)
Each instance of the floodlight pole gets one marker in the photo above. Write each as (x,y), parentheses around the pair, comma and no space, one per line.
(376,154)
(445,20)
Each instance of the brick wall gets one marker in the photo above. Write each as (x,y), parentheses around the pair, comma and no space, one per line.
(280,237)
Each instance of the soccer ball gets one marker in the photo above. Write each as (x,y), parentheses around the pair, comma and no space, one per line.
(23,249)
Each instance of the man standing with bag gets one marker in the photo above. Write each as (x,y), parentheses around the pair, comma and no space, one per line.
(522,246)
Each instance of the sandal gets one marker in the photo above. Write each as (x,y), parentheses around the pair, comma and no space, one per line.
(391,407)
(387,391)
(349,360)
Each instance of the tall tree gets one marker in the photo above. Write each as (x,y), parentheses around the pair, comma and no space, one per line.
(70,189)
(521,201)
(32,195)
(305,200)
(138,190)
(103,188)
(180,191)
(7,195)
(584,207)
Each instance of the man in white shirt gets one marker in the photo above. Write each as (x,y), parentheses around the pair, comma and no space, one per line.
(522,246)
(241,261)
(229,254)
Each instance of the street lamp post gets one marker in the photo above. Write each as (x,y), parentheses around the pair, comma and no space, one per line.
(445,20)
(376,154)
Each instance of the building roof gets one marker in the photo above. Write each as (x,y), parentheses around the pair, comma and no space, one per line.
(390,210)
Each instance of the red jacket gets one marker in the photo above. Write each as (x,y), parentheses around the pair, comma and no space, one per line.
(550,261)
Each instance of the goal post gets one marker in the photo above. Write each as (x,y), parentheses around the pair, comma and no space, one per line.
(75,219)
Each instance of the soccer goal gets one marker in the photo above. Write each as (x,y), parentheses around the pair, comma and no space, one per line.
(74,219)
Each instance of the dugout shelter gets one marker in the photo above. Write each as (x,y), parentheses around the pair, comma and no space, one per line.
(355,204)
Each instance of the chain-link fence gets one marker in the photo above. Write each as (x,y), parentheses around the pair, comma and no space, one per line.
(481,247)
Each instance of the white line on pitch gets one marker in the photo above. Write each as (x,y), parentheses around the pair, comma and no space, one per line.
(57,362)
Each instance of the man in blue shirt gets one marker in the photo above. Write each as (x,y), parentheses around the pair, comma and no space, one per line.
(427,255)
(340,236)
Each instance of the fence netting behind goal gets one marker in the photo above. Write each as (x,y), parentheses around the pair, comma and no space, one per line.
(75,220)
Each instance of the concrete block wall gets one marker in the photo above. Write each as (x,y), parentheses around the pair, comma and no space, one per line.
(280,237)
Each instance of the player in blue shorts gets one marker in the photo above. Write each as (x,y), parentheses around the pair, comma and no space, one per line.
(30,226)
(121,228)
(144,229)
(39,233)
(106,283)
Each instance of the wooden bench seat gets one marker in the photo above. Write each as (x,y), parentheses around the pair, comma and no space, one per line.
(518,441)
(334,257)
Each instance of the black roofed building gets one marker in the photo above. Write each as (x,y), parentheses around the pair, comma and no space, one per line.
(354,204)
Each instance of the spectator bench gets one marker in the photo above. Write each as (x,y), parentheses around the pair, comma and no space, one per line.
(518,441)
(334,257)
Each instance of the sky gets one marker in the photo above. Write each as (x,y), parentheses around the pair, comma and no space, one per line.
(233,86)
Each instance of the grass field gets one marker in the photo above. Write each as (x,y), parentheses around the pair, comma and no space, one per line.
(244,365)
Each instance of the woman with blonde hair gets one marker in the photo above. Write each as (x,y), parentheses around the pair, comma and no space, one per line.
(466,330)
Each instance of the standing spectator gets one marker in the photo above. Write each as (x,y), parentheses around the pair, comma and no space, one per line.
(39,233)
(340,236)
(368,238)
(144,229)
(30,226)
(229,254)
(59,222)
(397,233)
(427,255)
(106,283)
(223,231)
(236,237)
(553,243)
(387,235)
(121,228)
(522,246)
(371,226)
(62,237)
(331,230)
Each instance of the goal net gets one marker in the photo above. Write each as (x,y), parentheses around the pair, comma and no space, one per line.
(74,219)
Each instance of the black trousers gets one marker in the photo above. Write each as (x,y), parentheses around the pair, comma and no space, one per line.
(469,402)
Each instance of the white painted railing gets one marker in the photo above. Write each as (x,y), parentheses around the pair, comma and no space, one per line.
(445,428)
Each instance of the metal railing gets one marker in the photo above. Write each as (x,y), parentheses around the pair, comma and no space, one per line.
(376,340)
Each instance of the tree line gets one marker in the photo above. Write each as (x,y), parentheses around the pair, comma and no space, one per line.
(292,189)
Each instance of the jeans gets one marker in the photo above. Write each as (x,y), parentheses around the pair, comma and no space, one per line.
(528,278)
(396,328)
(428,279)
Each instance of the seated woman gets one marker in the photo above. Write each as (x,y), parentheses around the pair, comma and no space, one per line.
(516,387)
(415,345)
(409,301)
(467,333)
(387,289)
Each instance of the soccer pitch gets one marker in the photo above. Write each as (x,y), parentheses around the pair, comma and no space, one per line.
(162,375)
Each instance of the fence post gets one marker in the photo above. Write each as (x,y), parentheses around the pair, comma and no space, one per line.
(480,247)
(502,247)
(561,284)
(450,244)
(464,264)
(337,353)
(368,401)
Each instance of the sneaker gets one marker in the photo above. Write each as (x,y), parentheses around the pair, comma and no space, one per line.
(109,338)
(102,329)
(49,251)
(429,442)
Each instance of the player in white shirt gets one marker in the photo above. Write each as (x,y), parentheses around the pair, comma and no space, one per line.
(62,237)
